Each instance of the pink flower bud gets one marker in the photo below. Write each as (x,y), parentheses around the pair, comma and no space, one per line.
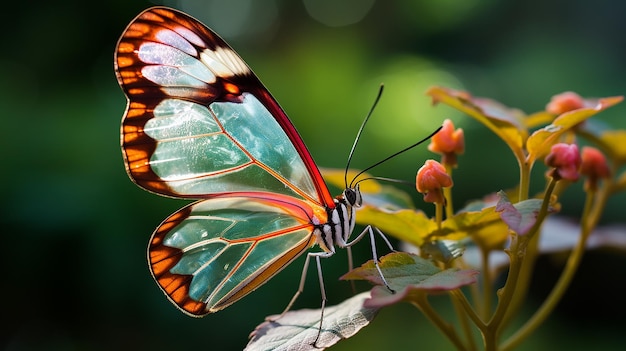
(565,102)
(594,166)
(566,161)
(448,142)
(430,180)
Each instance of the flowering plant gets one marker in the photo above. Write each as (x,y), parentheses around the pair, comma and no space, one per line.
(509,222)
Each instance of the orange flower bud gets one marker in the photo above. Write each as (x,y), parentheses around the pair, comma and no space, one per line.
(565,102)
(566,161)
(594,166)
(430,180)
(448,142)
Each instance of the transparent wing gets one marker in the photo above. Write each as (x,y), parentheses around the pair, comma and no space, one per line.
(199,122)
(213,252)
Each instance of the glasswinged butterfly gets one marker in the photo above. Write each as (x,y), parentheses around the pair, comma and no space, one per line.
(200,125)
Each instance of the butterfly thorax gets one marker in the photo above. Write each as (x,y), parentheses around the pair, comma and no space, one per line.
(341,220)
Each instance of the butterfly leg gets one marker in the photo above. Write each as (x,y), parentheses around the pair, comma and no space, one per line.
(384,237)
(317,255)
(323,292)
(350,260)
(350,268)
(370,230)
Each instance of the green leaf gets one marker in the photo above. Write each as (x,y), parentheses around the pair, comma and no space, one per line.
(540,142)
(408,274)
(297,330)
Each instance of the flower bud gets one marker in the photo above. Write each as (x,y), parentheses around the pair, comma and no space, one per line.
(565,102)
(594,166)
(448,142)
(566,161)
(430,180)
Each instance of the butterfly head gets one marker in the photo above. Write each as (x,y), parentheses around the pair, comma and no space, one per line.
(353,196)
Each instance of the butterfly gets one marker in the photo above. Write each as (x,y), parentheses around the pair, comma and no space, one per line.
(200,125)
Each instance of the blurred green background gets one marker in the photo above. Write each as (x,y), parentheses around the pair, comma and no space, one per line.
(75,228)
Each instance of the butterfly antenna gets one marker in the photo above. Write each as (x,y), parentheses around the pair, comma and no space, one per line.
(385,179)
(394,155)
(358,134)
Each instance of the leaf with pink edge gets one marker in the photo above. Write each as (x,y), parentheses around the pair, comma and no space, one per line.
(520,217)
(408,273)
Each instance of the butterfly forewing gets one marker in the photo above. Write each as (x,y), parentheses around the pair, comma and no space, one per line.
(199,124)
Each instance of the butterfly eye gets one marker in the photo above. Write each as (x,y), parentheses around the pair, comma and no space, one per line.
(353,196)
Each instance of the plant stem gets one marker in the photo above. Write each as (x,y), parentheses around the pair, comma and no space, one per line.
(447,194)
(467,307)
(438,214)
(530,253)
(421,302)
(509,295)
(590,217)
(505,294)
(461,313)
(487,285)
(524,179)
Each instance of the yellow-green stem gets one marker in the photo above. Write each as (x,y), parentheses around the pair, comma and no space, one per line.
(469,310)
(590,216)
(438,214)
(487,285)
(462,315)
(514,282)
(506,293)
(530,252)
(447,194)
(421,302)
(524,179)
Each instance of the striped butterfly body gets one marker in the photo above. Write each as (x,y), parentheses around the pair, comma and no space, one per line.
(200,125)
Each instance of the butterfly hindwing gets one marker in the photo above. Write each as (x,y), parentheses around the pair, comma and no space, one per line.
(213,252)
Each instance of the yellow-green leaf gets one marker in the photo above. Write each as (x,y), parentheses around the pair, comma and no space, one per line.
(484,227)
(540,142)
(409,225)
(537,119)
(614,144)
